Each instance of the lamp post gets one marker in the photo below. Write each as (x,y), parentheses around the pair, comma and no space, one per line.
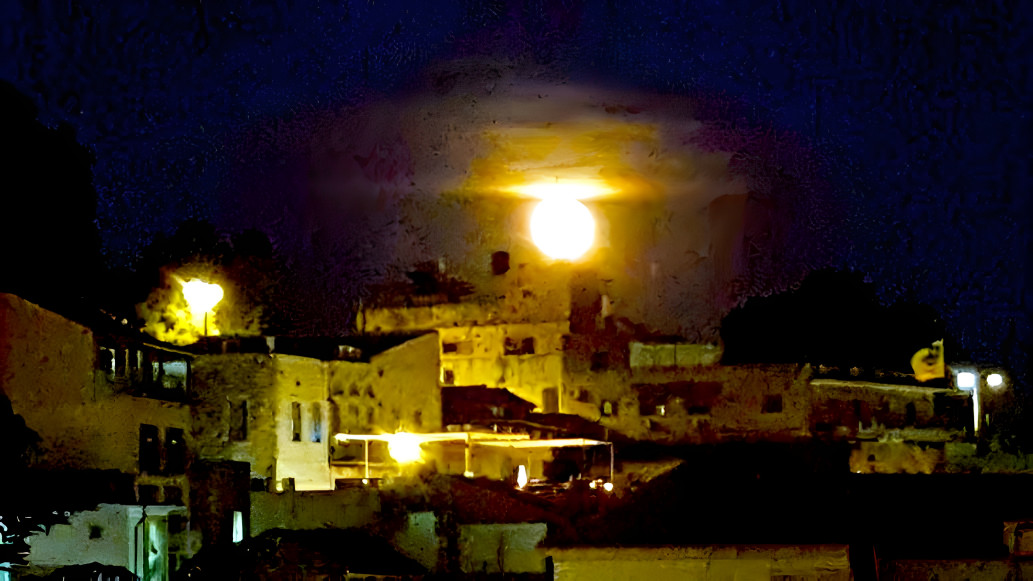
(201,296)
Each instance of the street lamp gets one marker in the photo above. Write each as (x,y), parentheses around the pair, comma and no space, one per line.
(201,296)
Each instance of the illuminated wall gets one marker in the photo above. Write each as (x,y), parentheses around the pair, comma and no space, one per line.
(397,390)
(50,374)
(524,358)
(267,410)
(302,432)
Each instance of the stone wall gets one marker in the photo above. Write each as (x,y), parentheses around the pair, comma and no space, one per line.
(348,508)
(47,370)
(302,431)
(222,387)
(502,548)
(396,390)
(826,562)
(524,358)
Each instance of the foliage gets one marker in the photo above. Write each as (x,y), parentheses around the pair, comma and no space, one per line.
(244,264)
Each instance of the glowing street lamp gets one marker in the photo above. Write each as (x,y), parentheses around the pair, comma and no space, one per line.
(201,296)
(404,448)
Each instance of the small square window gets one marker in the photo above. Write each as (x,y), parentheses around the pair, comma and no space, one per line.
(772,404)
(96,532)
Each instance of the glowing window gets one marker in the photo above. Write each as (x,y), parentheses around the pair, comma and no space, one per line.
(966,380)
(994,379)
(238,526)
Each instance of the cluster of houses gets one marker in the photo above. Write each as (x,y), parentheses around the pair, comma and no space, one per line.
(532,393)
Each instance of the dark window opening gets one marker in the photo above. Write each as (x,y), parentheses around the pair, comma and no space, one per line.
(177,524)
(417,418)
(173,495)
(448,377)
(148,494)
(584,395)
(863,412)
(499,262)
(317,422)
(910,414)
(150,449)
(106,362)
(238,420)
(523,347)
(772,404)
(457,347)
(296,421)
(175,451)
(550,400)
(600,361)
(96,532)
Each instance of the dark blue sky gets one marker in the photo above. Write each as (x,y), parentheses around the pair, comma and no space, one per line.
(919,112)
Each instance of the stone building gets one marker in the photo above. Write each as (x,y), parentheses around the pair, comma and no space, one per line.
(103,401)
(279,412)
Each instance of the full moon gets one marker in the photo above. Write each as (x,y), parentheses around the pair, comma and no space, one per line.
(562,227)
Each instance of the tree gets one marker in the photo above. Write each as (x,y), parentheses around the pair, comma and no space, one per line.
(833,318)
(48,208)
(246,266)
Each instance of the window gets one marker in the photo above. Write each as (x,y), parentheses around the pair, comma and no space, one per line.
(175,451)
(172,495)
(499,262)
(317,422)
(106,362)
(448,377)
(607,408)
(522,347)
(772,404)
(150,449)
(600,361)
(238,526)
(296,422)
(457,347)
(550,400)
(910,414)
(238,420)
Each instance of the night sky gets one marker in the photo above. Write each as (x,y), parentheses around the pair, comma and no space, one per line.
(892,137)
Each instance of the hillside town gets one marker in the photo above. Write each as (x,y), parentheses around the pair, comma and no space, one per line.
(536,435)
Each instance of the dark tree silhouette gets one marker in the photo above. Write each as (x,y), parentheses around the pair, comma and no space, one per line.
(252,273)
(834,318)
(48,209)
